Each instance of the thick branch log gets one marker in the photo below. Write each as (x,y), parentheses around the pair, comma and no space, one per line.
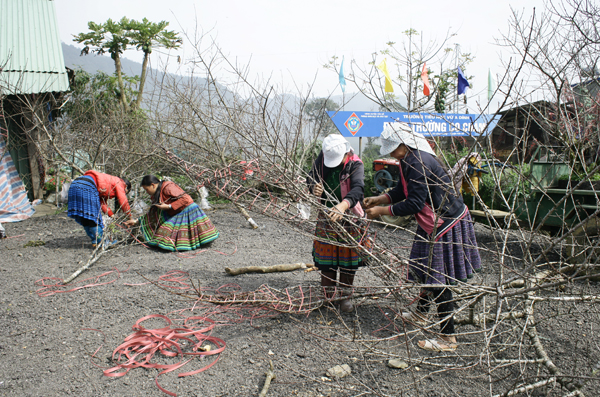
(268,269)
(246,215)
(527,388)
(270,376)
(98,252)
(541,353)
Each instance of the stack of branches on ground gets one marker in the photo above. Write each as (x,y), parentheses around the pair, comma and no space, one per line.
(249,143)
(254,149)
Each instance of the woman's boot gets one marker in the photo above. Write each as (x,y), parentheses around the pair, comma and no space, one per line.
(329,283)
(346,281)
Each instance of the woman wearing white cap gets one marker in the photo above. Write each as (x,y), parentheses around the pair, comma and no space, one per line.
(445,228)
(337,177)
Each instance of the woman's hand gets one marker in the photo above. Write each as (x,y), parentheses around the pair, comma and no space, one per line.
(336,213)
(376,212)
(318,190)
(130,222)
(370,202)
(163,206)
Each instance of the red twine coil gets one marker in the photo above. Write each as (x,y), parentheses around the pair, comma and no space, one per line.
(187,340)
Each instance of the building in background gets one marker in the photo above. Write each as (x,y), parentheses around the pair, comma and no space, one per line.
(32,79)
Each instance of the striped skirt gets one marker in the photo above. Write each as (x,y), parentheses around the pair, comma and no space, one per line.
(184,231)
(84,201)
(455,256)
(329,252)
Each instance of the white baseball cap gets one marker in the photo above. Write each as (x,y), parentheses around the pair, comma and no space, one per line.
(335,147)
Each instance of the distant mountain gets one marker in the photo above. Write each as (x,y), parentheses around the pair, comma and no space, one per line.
(93,63)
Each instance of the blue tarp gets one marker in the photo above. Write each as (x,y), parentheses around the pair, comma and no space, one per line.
(370,124)
(14,205)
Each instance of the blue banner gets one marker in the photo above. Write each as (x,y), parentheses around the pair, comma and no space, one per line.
(370,124)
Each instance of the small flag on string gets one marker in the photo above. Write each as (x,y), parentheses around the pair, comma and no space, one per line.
(463,84)
(425,78)
(342,78)
(388,80)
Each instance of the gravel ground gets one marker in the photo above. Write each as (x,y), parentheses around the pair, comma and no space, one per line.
(47,343)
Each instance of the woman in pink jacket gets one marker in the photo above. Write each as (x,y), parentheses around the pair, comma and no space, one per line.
(88,195)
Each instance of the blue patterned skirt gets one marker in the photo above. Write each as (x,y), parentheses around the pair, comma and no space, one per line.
(84,201)
(455,255)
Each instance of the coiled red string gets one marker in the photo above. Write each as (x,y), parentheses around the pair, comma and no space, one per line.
(138,349)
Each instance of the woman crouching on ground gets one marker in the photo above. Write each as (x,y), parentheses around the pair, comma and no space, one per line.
(174,222)
(445,227)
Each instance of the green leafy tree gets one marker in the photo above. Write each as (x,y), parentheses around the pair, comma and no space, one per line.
(145,36)
(370,153)
(115,38)
(109,37)
(99,91)
(371,150)
(96,131)
(440,95)
(316,110)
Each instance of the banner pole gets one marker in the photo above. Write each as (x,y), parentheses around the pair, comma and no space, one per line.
(359,146)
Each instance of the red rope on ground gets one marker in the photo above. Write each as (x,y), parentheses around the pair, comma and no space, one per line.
(20,235)
(139,348)
(57,286)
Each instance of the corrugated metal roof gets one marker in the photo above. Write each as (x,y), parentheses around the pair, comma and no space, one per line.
(31,58)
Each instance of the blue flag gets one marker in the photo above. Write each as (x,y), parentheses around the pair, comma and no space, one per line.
(463,84)
(342,79)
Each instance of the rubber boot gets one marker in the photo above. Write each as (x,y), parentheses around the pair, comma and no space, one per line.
(329,283)
(346,281)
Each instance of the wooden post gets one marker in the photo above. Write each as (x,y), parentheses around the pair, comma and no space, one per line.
(33,113)
(34,156)
(359,146)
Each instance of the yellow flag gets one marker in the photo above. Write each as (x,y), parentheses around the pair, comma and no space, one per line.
(388,80)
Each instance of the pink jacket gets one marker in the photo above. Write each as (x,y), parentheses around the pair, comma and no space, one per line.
(172,194)
(110,187)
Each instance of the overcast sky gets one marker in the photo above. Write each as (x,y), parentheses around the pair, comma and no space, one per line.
(291,41)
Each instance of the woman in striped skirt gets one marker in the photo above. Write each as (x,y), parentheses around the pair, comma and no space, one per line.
(88,197)
(174,222)
(444,250)
(337,174)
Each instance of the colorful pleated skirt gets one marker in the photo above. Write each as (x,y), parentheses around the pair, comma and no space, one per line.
(84,201)
(185,231)
(454,257)
(329,249)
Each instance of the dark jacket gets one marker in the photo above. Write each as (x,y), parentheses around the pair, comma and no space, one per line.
(427,182)
(354,170)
